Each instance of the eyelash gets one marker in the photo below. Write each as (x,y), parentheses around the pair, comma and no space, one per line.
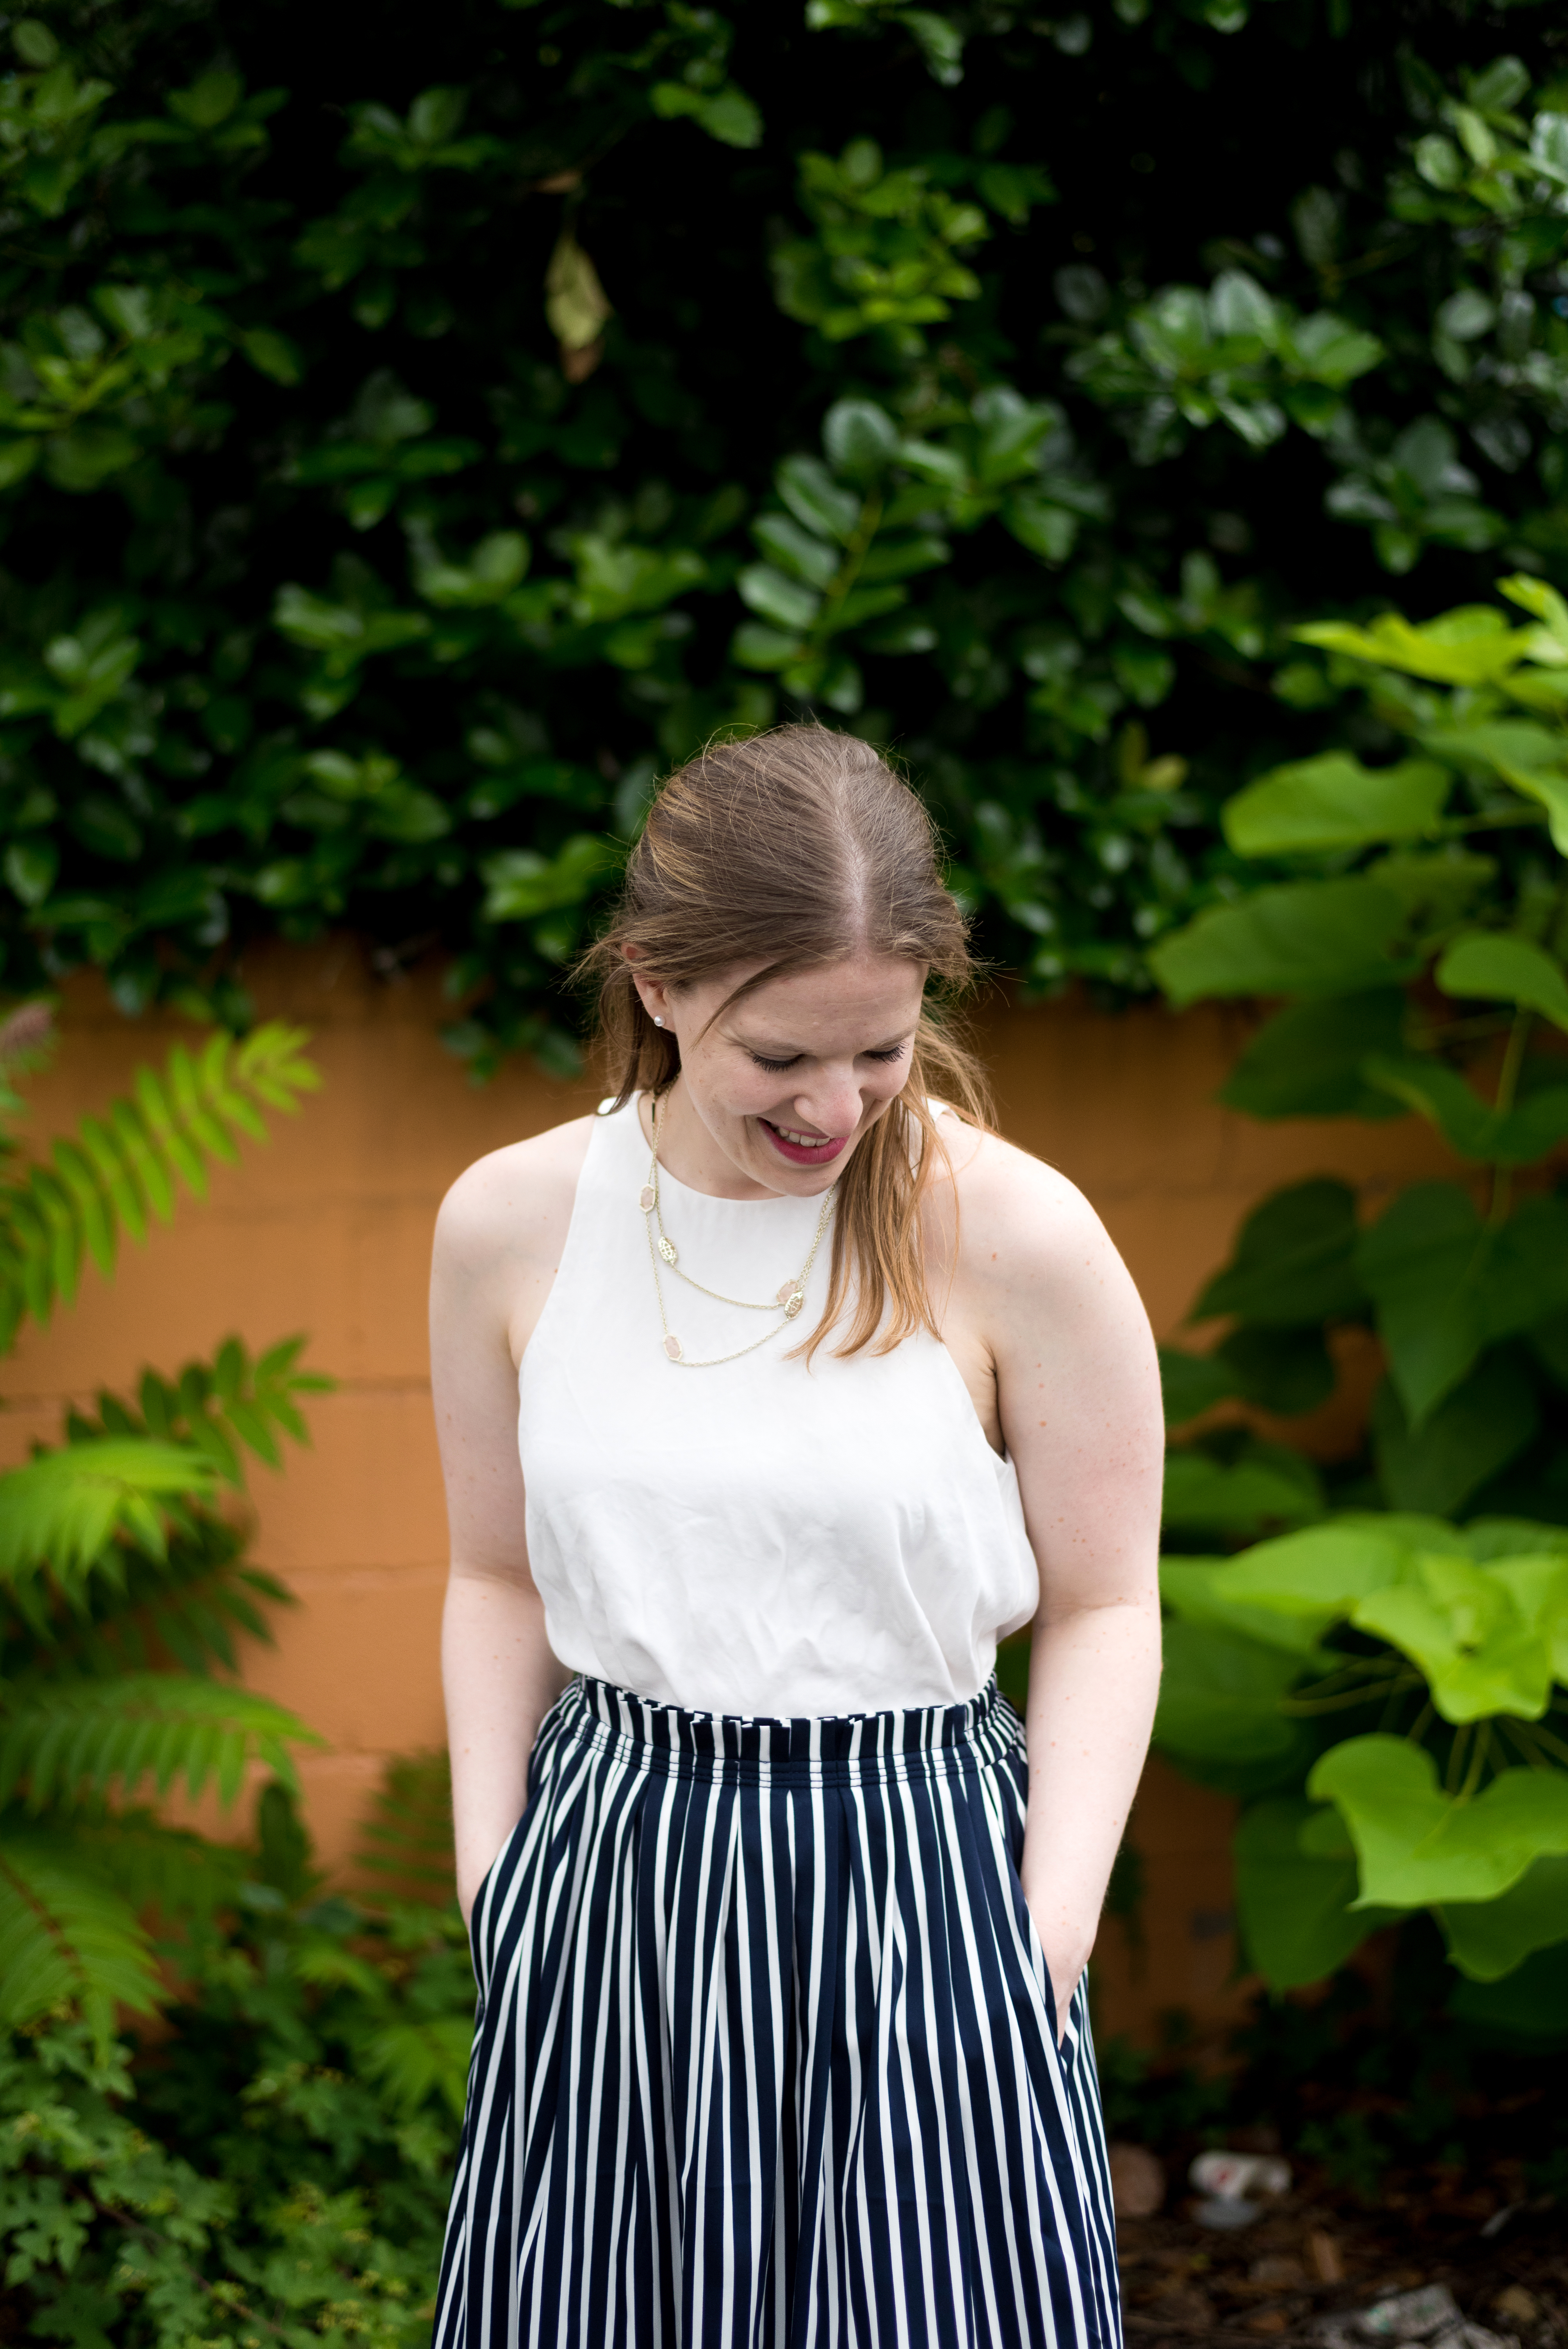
(777,1068)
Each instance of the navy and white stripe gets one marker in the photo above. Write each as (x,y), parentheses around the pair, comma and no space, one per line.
(765,2055)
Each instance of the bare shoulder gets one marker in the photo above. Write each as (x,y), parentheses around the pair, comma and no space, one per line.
(1021,1220)
(514,1202)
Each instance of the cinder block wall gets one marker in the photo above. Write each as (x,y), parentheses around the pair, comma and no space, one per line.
(327,1230)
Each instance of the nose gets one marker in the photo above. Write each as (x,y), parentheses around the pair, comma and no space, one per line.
(829,1102)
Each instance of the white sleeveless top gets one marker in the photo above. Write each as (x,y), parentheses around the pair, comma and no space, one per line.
(757,1538)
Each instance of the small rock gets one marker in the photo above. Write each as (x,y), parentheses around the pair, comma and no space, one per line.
(1183,2306)
(1411,2315)
(1326,2259)
(1137,2180)
(1280,2270)
(1521,2307)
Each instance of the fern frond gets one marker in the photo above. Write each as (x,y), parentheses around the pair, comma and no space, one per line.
(405,1838)
(151,1865)
(119,1169)
(74,1740)
(236,1399)
(61,1513)
(414,2061)
(66,1938)
(135,1612)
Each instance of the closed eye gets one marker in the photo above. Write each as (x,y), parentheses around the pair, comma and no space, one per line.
(890,1052)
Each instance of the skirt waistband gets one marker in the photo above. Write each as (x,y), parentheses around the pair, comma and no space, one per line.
(917,1741)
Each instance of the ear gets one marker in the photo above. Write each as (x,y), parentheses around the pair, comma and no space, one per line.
(652,994)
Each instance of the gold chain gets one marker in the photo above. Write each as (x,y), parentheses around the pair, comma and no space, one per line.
(791,1294)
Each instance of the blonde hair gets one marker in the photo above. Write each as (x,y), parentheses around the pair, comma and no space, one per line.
(795,848)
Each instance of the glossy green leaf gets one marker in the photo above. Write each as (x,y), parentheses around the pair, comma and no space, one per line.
(817,502)
(1467,647)
(1327,937)
(800,553)
(1334,802)
(1419,1846)
(520,884)
(858,437)
(785,602)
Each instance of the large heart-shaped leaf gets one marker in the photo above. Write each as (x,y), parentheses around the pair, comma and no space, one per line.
(1475,1431)
(1317,1577)
(1195,1589)
(1423,1264)
(1471,1127)
(1209,1496)
(1294,1262)
(1488,1939)
(1294,1906)
(1480,1650)
(1306,1061)
(1334,802)
(1419,1847)
(1506,970)
(1307,937)
(1220,1695)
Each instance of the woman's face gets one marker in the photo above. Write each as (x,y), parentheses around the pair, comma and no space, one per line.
(787,1080)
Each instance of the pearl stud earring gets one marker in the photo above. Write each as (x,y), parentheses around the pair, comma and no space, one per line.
(657,1021)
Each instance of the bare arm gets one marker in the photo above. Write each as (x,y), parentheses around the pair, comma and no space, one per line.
(1078,1389)
(498,1242)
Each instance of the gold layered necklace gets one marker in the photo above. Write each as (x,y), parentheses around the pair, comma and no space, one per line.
(788,1300)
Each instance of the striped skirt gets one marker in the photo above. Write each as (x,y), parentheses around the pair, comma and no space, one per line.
(766,2053)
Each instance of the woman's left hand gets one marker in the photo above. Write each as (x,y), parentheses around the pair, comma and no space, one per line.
(1066,1951)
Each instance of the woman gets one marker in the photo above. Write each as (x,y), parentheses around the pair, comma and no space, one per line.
(782,2032)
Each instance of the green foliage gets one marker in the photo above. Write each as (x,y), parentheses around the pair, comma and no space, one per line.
(118,1559)
(277,2165)
(118,1171)
(390,486)
(1432,1701)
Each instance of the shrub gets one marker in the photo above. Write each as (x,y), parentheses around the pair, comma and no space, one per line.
(391,484)
(1385,1686)
(273,2164)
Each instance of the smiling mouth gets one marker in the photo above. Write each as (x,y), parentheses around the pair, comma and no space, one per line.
(797,1144)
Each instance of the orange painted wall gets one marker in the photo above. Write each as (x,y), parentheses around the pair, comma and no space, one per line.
(327,1230)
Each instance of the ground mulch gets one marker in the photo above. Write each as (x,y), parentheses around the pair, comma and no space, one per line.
(1316,2257)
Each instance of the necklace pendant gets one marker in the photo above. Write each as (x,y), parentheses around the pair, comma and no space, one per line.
(785,1291)
(647,1198)
(673,1346)
(793,1302)
(667,1251)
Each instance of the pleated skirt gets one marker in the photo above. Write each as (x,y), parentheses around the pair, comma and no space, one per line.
(766,2050)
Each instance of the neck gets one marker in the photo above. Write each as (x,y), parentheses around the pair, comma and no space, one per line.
(689,1153)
